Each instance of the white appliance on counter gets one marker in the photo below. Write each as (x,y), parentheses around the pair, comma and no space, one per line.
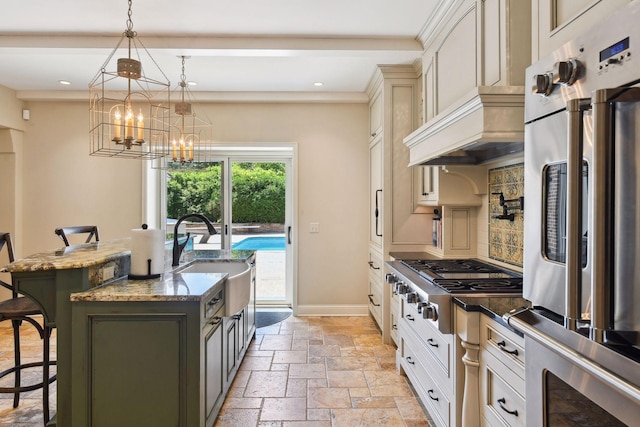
(582,234)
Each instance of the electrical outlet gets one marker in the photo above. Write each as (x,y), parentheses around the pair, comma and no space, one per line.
(314,227)
(108,273)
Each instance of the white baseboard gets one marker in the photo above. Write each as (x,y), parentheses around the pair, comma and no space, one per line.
(331,310)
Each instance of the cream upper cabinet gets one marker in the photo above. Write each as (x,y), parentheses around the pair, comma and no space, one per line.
(375,114)
(476,43)
(556,22)
(375,192)
(450,185)
(473,68)
(396,226)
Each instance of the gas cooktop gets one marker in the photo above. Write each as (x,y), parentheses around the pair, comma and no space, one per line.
(467,276)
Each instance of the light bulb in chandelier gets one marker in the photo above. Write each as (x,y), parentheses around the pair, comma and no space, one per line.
(117,126)
(140,126)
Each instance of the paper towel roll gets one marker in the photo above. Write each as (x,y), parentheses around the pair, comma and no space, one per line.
(147,244)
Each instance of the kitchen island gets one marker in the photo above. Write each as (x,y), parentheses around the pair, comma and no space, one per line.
(51,277)
(154,349)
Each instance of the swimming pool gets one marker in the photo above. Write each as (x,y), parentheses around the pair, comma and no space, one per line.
(271,243)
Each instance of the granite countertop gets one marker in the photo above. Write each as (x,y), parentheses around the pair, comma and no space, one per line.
(89,254)
(76,256)
(398,256)
(494,307)
(168,287)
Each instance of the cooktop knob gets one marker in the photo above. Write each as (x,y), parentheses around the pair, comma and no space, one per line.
(543,84)
(412,297)
(391,278)
(420,305)
(566,72)
(401,288)
(429,312)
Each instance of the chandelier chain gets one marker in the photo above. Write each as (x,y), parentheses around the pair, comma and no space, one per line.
(183,76)
(129,31)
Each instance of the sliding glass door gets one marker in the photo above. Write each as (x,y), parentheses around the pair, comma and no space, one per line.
(249,199)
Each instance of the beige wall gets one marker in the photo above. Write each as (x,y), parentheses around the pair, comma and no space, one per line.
(63,185)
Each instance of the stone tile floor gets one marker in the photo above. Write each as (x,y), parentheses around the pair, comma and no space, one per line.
(29,412)
(302,372)
(320,372)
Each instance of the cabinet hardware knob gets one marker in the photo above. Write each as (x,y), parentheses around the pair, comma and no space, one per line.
(432,343)
(432,396)
(215,320)
(501,403)
(502,346)
(410,317)
(372,266)
(410,360)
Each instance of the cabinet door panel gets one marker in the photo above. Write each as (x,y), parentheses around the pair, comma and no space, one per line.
(231,341)
(456,62)
(559,21)
(375,115)
(120,349)
(213,370)
(375,192)
(492,49)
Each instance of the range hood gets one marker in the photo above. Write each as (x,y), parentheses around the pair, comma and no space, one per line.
(485,124)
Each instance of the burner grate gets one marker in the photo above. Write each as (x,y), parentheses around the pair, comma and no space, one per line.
(490,286)
(451,266)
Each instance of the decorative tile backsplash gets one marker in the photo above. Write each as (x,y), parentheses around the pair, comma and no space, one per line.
(506,237)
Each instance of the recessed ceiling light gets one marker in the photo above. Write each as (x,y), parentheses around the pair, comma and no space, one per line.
(192,83)
(64,82)
(318,84)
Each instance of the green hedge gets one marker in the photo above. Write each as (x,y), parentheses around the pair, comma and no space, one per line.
(258,192)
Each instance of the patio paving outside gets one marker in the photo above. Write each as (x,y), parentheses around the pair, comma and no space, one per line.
(270,267)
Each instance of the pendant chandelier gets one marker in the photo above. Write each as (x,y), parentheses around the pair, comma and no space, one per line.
(190,133)
(129,106)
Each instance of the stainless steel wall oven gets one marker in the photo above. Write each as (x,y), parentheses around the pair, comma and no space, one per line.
(582,234)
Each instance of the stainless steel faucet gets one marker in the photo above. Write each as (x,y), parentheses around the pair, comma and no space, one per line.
(177,247)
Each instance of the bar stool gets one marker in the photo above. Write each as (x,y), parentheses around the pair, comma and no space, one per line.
(91,230)
(18,309)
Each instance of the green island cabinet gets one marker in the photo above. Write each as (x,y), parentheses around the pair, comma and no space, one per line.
(159,352)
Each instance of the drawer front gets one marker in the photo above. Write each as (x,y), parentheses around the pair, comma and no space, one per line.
(431,395)
(432,339)
(375,266)
(503,343)
(502,393)
(394,312)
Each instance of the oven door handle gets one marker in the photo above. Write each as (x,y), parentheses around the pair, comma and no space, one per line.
(603,101)
(525,321)
(575,148)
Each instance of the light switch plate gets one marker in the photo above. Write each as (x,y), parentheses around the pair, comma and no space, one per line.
(108,273)
(314,227)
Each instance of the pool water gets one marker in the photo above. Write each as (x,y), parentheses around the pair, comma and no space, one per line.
(260,244)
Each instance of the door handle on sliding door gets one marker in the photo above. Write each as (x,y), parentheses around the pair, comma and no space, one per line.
(289,235)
